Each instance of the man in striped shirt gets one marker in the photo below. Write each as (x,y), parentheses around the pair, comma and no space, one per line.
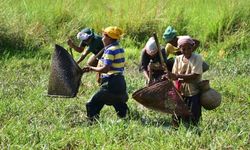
(113,86)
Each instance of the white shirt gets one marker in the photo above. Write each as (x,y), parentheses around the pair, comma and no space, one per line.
(192,66)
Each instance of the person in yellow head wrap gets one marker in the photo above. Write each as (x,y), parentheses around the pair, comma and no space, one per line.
(112,84)
(171,38)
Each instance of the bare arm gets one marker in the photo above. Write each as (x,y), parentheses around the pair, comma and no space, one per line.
(184,77)
(146,75)
(76,48)
(144,65)
(84,54)
(103,69)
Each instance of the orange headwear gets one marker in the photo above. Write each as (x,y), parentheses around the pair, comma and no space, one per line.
(113,32)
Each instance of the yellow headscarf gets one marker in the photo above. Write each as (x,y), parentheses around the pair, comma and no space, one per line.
(113,32)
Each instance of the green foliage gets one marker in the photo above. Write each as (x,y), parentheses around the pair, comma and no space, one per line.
(31,120)
(39,23)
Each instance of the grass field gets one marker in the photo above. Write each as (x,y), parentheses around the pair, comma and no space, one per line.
(31,120)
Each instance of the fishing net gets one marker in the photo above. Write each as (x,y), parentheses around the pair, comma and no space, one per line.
(162,96)
(65,75)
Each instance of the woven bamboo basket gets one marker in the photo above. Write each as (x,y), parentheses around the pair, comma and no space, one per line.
(65,74)
(162,96)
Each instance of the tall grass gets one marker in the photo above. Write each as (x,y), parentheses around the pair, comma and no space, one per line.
(46,22)
(31,120)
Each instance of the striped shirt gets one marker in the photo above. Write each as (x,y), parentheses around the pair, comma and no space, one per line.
(113,56)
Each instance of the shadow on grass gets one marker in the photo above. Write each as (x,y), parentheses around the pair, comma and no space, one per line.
(147,120)
(19,48)
(8,53)
(76,116)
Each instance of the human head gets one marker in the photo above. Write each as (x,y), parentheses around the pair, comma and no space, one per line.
(186,44)
(169,34)
(85,34)
(150,47)
(111,33)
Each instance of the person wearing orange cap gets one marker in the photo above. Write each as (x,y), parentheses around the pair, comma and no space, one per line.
(188,71)
(150,63)
(112,85)
(92,41)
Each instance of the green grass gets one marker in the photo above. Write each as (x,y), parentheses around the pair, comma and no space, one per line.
(31,120)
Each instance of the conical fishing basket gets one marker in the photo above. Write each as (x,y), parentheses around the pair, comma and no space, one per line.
(65,74)
(162,96)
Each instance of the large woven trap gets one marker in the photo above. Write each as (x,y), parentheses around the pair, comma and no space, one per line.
(163,97)
(65,75)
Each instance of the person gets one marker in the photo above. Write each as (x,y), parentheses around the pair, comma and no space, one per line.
(172,50)
(187,72)
(150,63)
(112,85)
(90,39)
(171,38)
